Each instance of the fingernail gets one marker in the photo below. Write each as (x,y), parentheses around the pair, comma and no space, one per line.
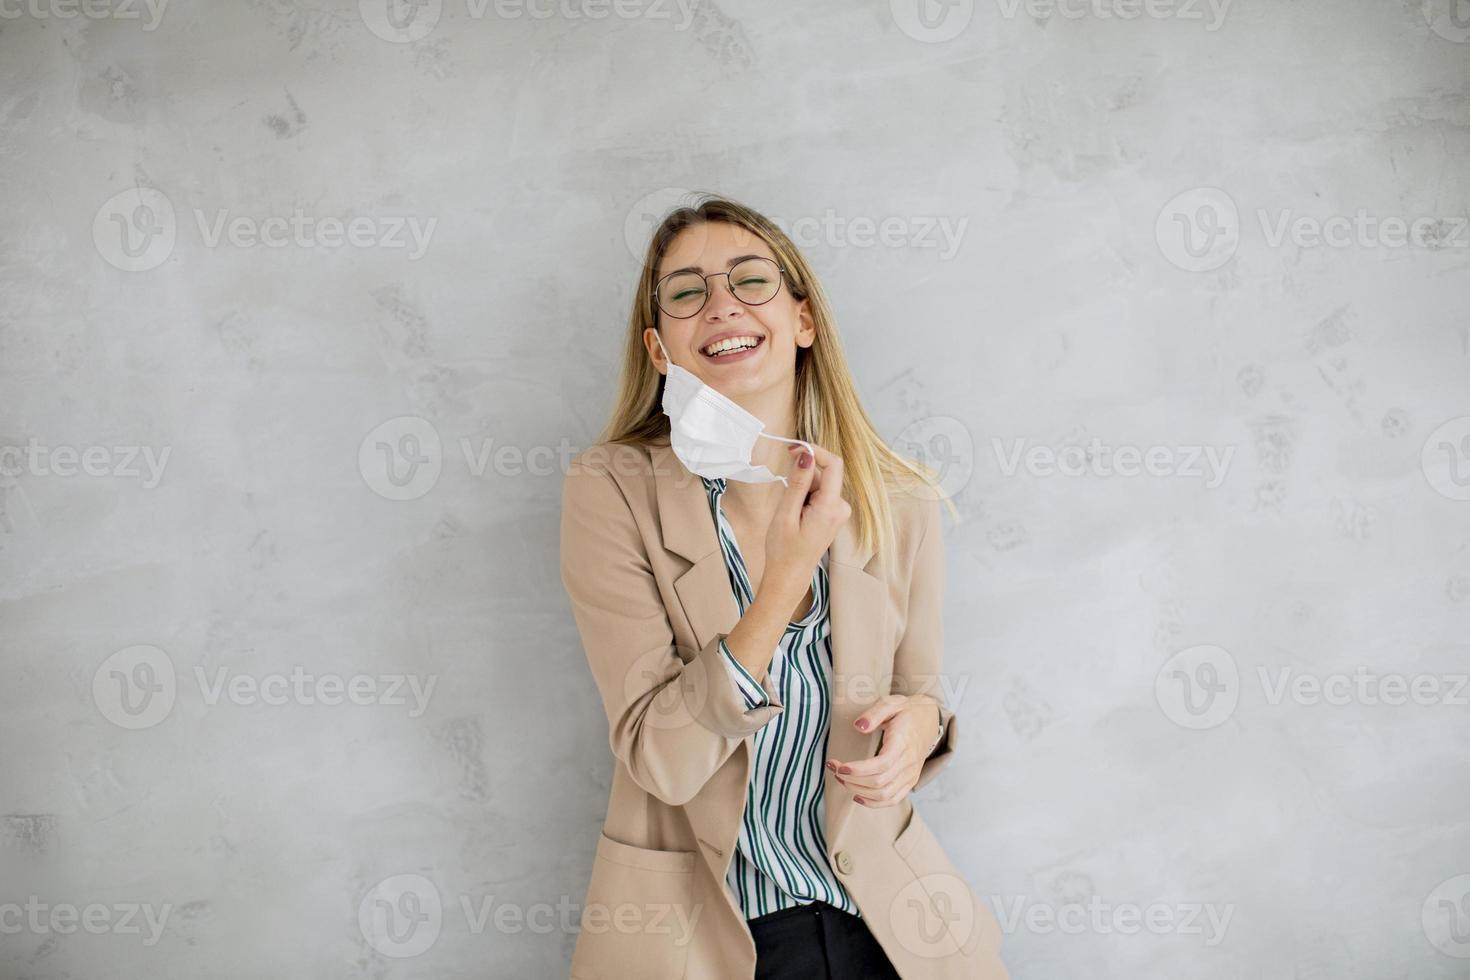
(845,770)
(806,459)
(862,723)
(859,799)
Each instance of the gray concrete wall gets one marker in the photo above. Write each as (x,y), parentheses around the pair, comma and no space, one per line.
(305,307)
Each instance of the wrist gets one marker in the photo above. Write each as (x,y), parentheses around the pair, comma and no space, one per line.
(784,587)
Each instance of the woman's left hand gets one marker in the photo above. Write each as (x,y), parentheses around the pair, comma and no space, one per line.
(909,725)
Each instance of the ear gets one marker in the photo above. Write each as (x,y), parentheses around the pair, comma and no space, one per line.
(806,326)
(651,344)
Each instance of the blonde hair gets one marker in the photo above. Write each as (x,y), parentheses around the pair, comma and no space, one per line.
(828,411)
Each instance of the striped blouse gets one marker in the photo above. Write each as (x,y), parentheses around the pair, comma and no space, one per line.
(780,858)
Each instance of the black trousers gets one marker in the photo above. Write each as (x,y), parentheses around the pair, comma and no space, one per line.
(817,941)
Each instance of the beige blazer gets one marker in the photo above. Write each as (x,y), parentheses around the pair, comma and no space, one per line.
(642,565)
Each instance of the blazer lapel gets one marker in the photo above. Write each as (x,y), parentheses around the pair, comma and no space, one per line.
(857,598)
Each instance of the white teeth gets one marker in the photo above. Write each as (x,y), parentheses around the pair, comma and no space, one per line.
(731,343)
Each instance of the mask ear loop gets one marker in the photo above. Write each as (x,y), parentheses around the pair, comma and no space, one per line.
(661,345)
(797,442)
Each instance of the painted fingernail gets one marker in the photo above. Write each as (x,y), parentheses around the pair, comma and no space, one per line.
(806,459)
(859,799)
(845,771)
(862,723)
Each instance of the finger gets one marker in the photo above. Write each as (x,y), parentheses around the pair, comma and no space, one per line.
(890,756)
(794,451)
(881,800)
(829,487)
(880,712)
(869,785)
(798,485)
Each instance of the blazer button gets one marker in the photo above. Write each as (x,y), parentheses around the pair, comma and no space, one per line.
(844,862)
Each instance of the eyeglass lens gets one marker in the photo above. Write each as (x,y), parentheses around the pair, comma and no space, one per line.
(753,281)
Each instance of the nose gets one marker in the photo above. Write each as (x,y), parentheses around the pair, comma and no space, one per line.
(722,301)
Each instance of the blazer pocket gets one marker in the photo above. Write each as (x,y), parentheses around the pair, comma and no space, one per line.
(638,917)
(940,896)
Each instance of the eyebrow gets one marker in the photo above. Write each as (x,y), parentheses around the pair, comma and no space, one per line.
(732,264)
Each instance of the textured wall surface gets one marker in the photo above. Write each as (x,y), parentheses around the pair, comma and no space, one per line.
(307,304)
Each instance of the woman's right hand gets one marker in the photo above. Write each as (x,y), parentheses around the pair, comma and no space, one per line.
(803,526)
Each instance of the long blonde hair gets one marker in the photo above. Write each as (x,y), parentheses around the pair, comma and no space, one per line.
(828,411)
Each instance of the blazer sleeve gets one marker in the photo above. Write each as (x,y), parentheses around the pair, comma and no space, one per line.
(671,723)
(919,660)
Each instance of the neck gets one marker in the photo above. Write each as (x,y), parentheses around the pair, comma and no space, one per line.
(776,408)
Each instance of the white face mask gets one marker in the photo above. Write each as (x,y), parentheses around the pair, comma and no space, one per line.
(711,434)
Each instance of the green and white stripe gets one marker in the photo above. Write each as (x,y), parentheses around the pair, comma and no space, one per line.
(781,855)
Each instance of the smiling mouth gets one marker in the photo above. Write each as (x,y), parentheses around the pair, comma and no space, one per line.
(734,345)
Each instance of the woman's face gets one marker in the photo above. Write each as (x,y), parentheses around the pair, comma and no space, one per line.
(778,326)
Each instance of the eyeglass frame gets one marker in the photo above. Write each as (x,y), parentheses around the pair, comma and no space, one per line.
(709,291)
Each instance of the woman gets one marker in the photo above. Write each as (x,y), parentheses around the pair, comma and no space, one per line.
(767,647)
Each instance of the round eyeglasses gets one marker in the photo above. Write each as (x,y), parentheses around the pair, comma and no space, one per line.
(753,281)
